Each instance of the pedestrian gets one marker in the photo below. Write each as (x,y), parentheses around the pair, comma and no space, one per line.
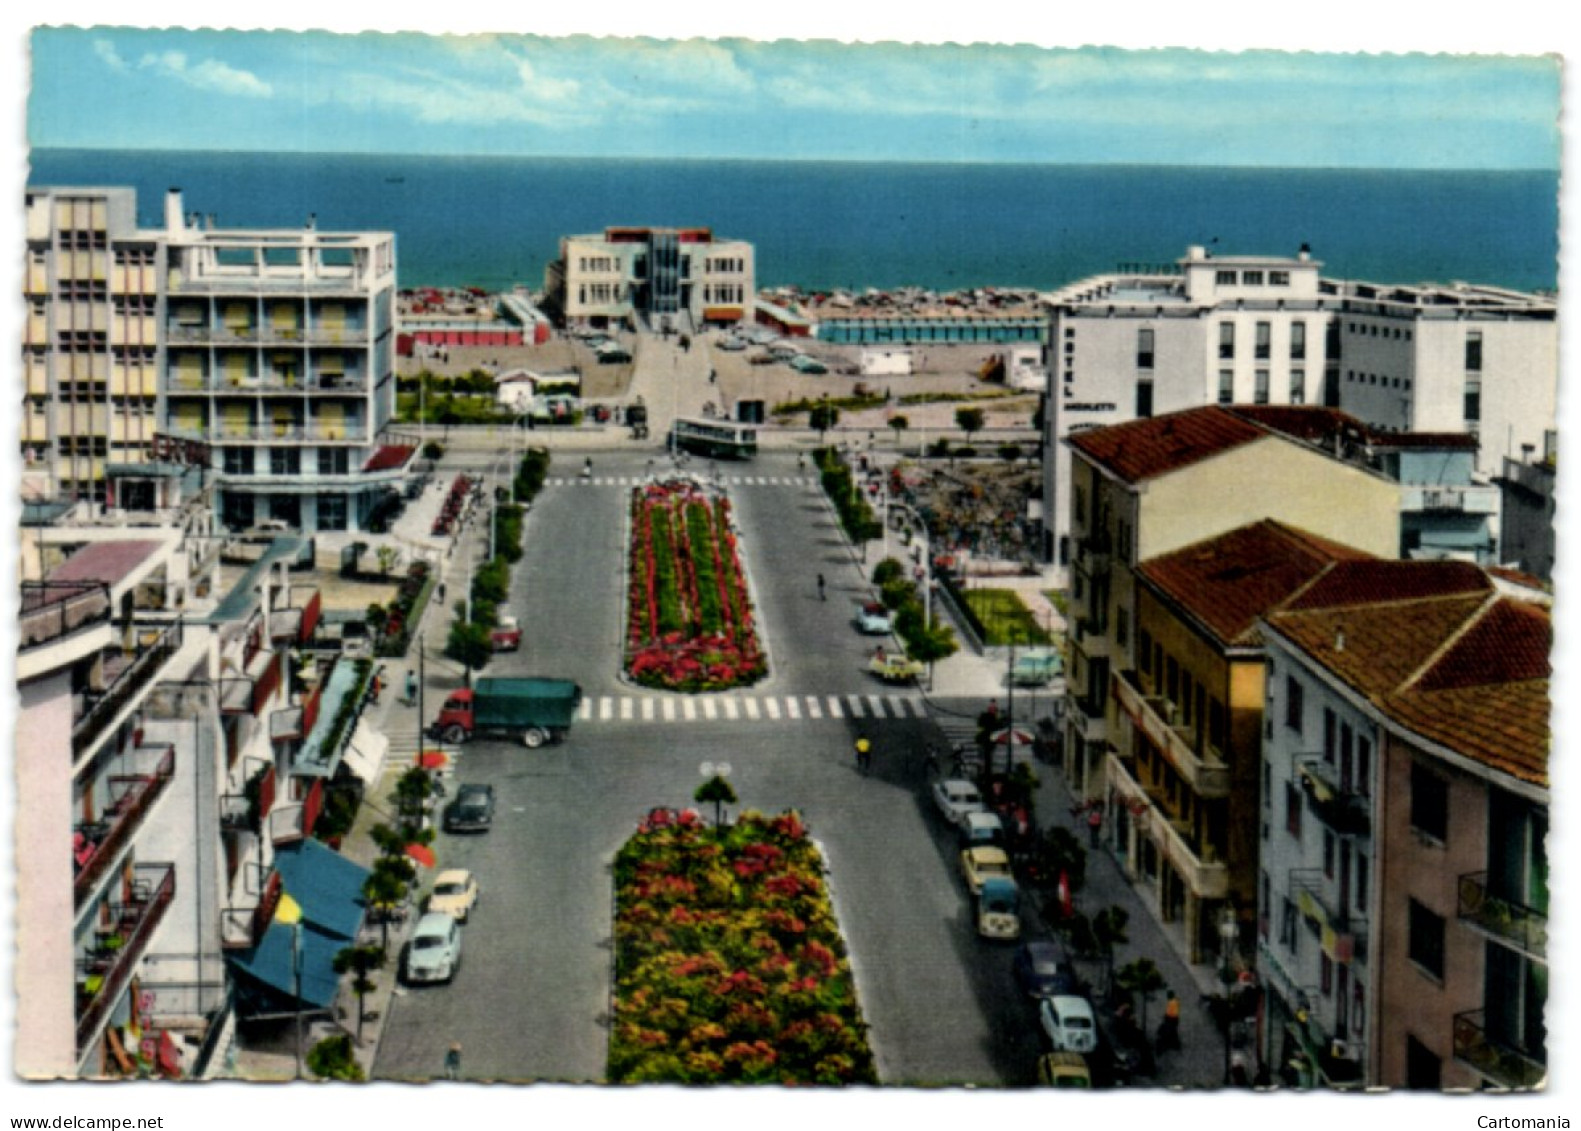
(441,592)
(1094,824)
(453,1061)
(821,595)
(411,687)
(864,753)
(1169,1028)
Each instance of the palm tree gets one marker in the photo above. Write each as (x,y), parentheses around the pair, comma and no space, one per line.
(718,790)
(385,890)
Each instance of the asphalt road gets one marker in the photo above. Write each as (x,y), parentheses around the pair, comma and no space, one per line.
(532,999)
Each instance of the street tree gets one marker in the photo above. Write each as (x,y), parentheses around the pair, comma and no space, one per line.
(823,417)
(718,790)
(899,423)
(386,889)
(969,419)
(1142,978)
(1108,928)
(387,557)
(360,962)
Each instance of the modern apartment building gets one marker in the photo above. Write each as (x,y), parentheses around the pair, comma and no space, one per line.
(1403,888)
(119,967)
(1181,778)
(677,278)
(1526,505)
(280,355)
(90,338)
(1266,330)
(1150,487)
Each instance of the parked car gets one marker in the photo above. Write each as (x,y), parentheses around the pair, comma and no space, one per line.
(801,363)
(982,828)
(1068,1023)
(455,893)
(983,863)
(732,344)
(1064,1070)
(956,798)
(434,952)
(1041,971)
(999,907)
(471,811)
(873,619)
(1036,668)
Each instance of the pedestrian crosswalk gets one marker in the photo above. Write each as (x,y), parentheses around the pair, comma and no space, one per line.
(723,480)
(749,708)
(663,710)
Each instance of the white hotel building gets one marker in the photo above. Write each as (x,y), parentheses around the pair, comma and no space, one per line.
(677,278)
(1272,330)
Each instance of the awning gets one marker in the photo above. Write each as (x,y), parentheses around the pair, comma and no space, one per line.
(271,963)
(365,753)
(325,883)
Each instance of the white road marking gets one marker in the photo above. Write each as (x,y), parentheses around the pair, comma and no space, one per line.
(625,707)
(731,711)
(814,711)
(792,708)
(752,707)
(834,707)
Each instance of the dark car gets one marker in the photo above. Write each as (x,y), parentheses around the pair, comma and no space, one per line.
(471,811)
(1041,971)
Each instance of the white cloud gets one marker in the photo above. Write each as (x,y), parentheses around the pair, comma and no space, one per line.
(209,74)
(105,50)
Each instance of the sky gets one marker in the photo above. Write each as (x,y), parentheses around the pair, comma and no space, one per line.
(734,97)
(1414,111)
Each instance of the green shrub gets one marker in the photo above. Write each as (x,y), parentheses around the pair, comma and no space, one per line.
(888,570)
(333,1059)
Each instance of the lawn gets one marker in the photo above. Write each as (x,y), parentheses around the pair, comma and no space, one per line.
(1006,617)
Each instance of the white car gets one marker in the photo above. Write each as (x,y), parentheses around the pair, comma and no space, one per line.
(732,344)
(1068,1023)
(956,798)
(434,954)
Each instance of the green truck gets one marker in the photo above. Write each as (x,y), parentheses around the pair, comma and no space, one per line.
(538,710)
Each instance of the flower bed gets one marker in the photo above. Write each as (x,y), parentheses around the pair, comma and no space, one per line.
(689,620)
(729,964)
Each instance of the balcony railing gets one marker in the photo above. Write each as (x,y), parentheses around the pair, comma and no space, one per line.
(1342,935)
(101,707)
(1495,1060)
(1208,879)
(1205,773)
(272,433)
(52,609)
(242,924)
(96,844)
(1461,499)
(1336,803)
(1506,920)
(121,945)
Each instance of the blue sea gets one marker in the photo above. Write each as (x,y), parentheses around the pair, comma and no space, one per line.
(495,222)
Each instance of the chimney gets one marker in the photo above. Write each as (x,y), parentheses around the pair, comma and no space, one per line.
(173,220)
(1196,252)
(1339,640)
(1305,254)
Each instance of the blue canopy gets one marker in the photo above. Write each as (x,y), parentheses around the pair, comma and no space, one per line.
(325,883)
(270,962)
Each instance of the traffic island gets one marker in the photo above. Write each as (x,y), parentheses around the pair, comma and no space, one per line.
(689,622)
(729,965)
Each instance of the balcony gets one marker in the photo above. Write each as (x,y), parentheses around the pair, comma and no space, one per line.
(245,920)
(353,433)
(126,674)
(97,844)
(1193,861)
(1334,802)
(1342,936)
(1087,727)
(1499,1063)
(1205,774)
(1090,635)
(1094,555)
(1524,928)
(1461,499)
(120,945)
(53,609)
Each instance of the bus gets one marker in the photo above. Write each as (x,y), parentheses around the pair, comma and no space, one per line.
(716,439)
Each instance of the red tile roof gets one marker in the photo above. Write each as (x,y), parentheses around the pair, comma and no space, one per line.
(389,456)
(1380,580)
(1463,440)
(1144,449)
(1227,582)
(1312,423)
(109,562)
(1468,669)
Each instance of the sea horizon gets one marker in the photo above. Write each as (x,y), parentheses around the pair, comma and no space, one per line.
(496,220)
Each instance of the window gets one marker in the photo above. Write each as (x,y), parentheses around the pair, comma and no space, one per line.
(1226,386)
(1329,729)
(1081,505)
(1122,626)
(1144,349)
(1144,399)
(1224,278)
(1226,339)
(1326,976)
(1474,351)
(1252,278)
(285,461)
(1289,935)
(1268,784)
(1144,649)
(332,512)
(1292,810)
(1264,346)
(1260,392)
(1328,854)
(1361,884)
(1293,703)
(1426,943)
(1298,386)
(1364,766)
(1278,278)
(334,461)
(1429,803)
(1473,402)
(238,461)
(1265,904)
(1298,341)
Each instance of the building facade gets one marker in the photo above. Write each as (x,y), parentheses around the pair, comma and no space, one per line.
(1265,330)
(1403,696)
(1150,487)
(1526,504)
(675,278)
